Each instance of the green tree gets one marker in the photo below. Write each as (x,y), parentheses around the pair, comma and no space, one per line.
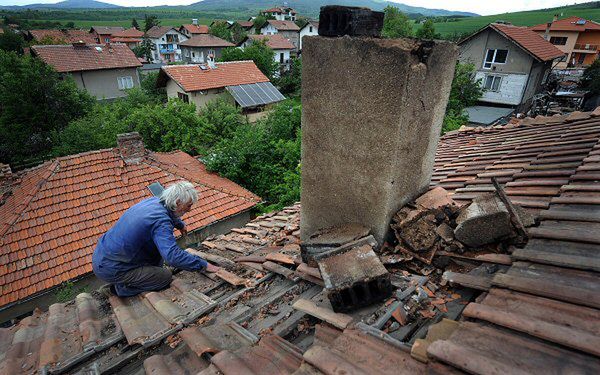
(465,92)
(150,22)
(221,30)
(135,24)
(238,34)
(148,85)
(69,25)
(427,31)
(259,22)
(221,119)
(11,42)
(590,80)
(144,49)
(259,52)
(395,23)
(35,101)
(290,82)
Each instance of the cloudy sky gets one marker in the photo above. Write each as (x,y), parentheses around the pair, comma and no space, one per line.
(477,6)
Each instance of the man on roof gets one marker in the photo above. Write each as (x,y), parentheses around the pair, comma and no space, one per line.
(130,255)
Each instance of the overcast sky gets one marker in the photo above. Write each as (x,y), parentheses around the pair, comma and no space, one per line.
(477,6)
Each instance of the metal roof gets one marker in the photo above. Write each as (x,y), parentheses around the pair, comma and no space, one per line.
(255,94)
(487,115)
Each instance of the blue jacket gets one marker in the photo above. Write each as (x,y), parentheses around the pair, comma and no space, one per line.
(142,236)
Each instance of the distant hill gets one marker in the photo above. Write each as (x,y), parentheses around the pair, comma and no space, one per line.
(311,7)
(69,4)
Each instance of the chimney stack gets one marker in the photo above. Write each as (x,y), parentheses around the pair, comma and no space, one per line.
(131,147)
(547,31)
(555,18)
(6,176)
(194,21)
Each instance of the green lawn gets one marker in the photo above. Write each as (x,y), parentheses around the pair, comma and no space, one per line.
(85,24)
(530,18)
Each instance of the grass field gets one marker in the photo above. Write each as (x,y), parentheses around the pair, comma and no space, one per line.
(85,24)
(531,18)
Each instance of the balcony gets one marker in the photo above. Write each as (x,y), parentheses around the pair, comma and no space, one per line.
(586,48)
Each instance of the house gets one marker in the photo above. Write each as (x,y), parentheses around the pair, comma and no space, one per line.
(166,41)
(577,37)
(281,13)
(56,36)
(280,45)
(203,48)
(288,29)
(311,28)
(247,26)
(511,62)
(103,34)
(239,82)
(103,70)
(131,37)
(192,29)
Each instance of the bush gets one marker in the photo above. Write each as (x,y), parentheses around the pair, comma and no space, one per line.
(465,92)
(395,24)
(591,78)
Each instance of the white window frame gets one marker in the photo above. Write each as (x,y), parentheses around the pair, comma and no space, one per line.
(488,64)
(495,78)
(125,82)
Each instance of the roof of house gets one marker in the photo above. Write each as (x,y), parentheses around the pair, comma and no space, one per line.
(284,25)
(194,78)
(71,58)
(528,40)
(205,40)
(129,33)
(312,23)
(274,41)
(280,10)
(158,31)
(68,36)
(107,30)
(51,222)
(196,29)
(245,24)
(569,24)
(125,40)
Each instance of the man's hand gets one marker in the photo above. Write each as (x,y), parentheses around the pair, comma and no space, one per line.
(212,268)
(183,231)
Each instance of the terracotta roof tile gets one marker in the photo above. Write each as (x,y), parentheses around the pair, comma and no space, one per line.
(529,41)
(69,58)
(284,25)
(50,224)
(274,41)
(196,29)
(158,31)
(107,30)
(193,78)
(67,36)
(206,40)
(569,24)
(129,33)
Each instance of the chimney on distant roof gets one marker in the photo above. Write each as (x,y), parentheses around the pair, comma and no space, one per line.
(547,31)
(194,21)
(131,147)
(555,18)
(7,178)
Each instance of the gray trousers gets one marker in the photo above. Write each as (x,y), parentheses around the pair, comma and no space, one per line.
(141,279)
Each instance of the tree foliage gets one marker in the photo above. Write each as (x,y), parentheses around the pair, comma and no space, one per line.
(144,49)
(259,52)
(237,33)
(135,24)
(591,78)
(150,22)
(465,92)
(427,31)
(395,23)
(221,30)
(11,42)
(290,82)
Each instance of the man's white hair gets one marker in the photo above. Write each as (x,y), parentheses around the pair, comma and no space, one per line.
(180,192)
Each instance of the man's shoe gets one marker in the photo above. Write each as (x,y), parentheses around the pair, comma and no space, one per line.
(107,290)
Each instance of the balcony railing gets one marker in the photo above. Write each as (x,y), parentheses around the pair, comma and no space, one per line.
(167,50)
(586,47)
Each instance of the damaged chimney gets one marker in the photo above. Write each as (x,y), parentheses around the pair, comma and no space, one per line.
(131,147)
(7,178)
(372,111)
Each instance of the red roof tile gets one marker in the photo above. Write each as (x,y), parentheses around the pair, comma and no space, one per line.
(274,41)
(196,29)
(57,211)
(284,25)
(66,36)
(569,24)
(529,41)
(129,33)
(69,58)
(107,30)
(126,40)
(158,31)
(193,78)
(206,40)
(245,24)
(279,10)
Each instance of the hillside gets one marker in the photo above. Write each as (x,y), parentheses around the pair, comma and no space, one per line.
(70,4)
(590,11)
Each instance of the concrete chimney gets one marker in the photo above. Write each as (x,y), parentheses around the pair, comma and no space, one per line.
(131,147)
(194,21)
(6,177)
(547,31)
(555,18)
(372,111)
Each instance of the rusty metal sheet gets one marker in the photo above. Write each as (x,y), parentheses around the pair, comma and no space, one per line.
(482,349)
(216,338)
(563,323)
(355,352)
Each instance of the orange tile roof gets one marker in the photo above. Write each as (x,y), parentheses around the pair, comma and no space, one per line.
(129,33)
(67,36)
(205,40)
(193,78)
(569,24)
(50,224)
(529,41)
(279,10)
(274,41)
(196,29)
(284,25)
(125,40)
(107,30)
(69,58)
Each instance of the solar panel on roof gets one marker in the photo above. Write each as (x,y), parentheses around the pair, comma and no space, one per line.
(255,94)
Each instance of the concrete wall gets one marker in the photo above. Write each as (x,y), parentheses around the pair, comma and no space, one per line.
(539,71)
(567,48)
(511,88)
(200,54)
(198,98)
(293,36)
(103,83)
(372,110)
(305,31)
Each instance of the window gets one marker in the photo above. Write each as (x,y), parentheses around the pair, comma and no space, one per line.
(184,97)
(107,39)
(281,58)
(211,55)
(310,29)
(558,40)
(492,83)
(125,82)
(495,56)
(193,54)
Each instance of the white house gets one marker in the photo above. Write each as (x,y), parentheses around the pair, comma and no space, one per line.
(311,28)
(203,48)
(281,13)
(288,29)
(282,47)
(166,40)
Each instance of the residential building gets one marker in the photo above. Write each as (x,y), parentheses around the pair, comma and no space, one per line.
(282,47)
(511,62)
(577,37)
(239,82)
(288,29)
(281,13)
(103,34)
(247,26)
(51,222)
(106,71)
(59,36)
(166,41)
(194,28)
(131,37)
(311,28)
(203,48)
